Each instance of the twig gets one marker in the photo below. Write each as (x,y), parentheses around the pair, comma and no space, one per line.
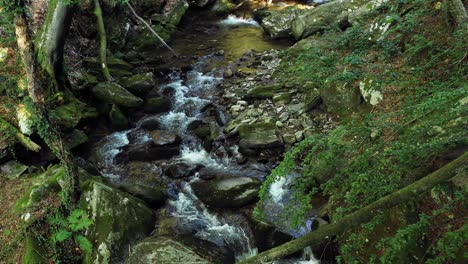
(151,29)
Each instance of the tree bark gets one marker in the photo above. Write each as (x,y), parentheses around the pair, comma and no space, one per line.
(36,80)
(51,40)
(365,214)
(458,12)
(102,40)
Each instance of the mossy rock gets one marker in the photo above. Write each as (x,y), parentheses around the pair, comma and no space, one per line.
(112,62)
(265,91)
(118,220)
(138,84)
(259,136)
(75,138)
(34,252)
(227,192)
(282,98)
(12,169)
(154,196)
(341,99)
(157,105)
(117,118)
(168,250)
(43,184)
(223,7)
(113,93)
(71,113)
(267,236)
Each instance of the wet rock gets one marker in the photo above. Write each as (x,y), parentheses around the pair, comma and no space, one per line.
(154,196)
(75,138)
(157,105)
(117,118)
(227,192)
(258,136)
(168,250)
(138,84)
(180,170)
(113,93)
(150,123)
(163,138)
(12,169)
(145,173)
(148,152)
(267,236)
(138,136)
(118,220)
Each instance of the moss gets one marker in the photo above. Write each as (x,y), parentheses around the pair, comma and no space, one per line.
(70,114)
(266,91)
(34,253)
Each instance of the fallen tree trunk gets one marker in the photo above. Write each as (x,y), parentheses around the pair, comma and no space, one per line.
(326,15)
(365,214)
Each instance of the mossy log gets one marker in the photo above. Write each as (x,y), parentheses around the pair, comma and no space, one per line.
(365,214)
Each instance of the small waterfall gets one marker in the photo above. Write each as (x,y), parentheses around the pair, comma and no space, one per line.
(233,20)
(195,217)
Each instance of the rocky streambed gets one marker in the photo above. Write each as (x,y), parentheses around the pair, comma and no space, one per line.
(183,172)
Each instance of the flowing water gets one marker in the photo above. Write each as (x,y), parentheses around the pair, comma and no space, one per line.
(191,92)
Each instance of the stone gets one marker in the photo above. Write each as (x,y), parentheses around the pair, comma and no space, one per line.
(223,7)
(180,170)
(266,235)
(117,67)
(258,136)
(277,23)
(113,93)
(281,98)
(289,138)
(139,84)
(170,250)
(231,192)
(150,123)
(279,124)
(71,113)
(297,108)
(228,73)
(341,99)
(12,169)
(153,196)
(299,135)
(312,99)
(75,138)
(118,220)
(157,105)
(163,138)
(117,118)
(148,152)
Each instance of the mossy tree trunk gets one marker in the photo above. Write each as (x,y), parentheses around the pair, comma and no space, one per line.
(39,65)
(458,12)
(102,40)
(365,214)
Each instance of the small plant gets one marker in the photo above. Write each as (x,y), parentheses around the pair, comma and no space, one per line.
(69,229)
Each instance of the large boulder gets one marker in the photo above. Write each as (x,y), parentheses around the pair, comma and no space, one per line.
(149,152)
(118,220)
(227,192)
(113,93)
(277,23)
(168,250)
(259,136)
(70,114)
(341,99)
(138,84)
(223,7)
(154,196)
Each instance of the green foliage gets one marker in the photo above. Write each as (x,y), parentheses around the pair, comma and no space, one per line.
(69,229)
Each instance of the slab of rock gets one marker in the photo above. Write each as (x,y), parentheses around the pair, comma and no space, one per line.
(12,169)
(154,196)
(259,136)
(228,192)
(149,152)
(138,84)
(113,93)
(118,220)
(169,250)
(150,123)
(277,23)
(157,105)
